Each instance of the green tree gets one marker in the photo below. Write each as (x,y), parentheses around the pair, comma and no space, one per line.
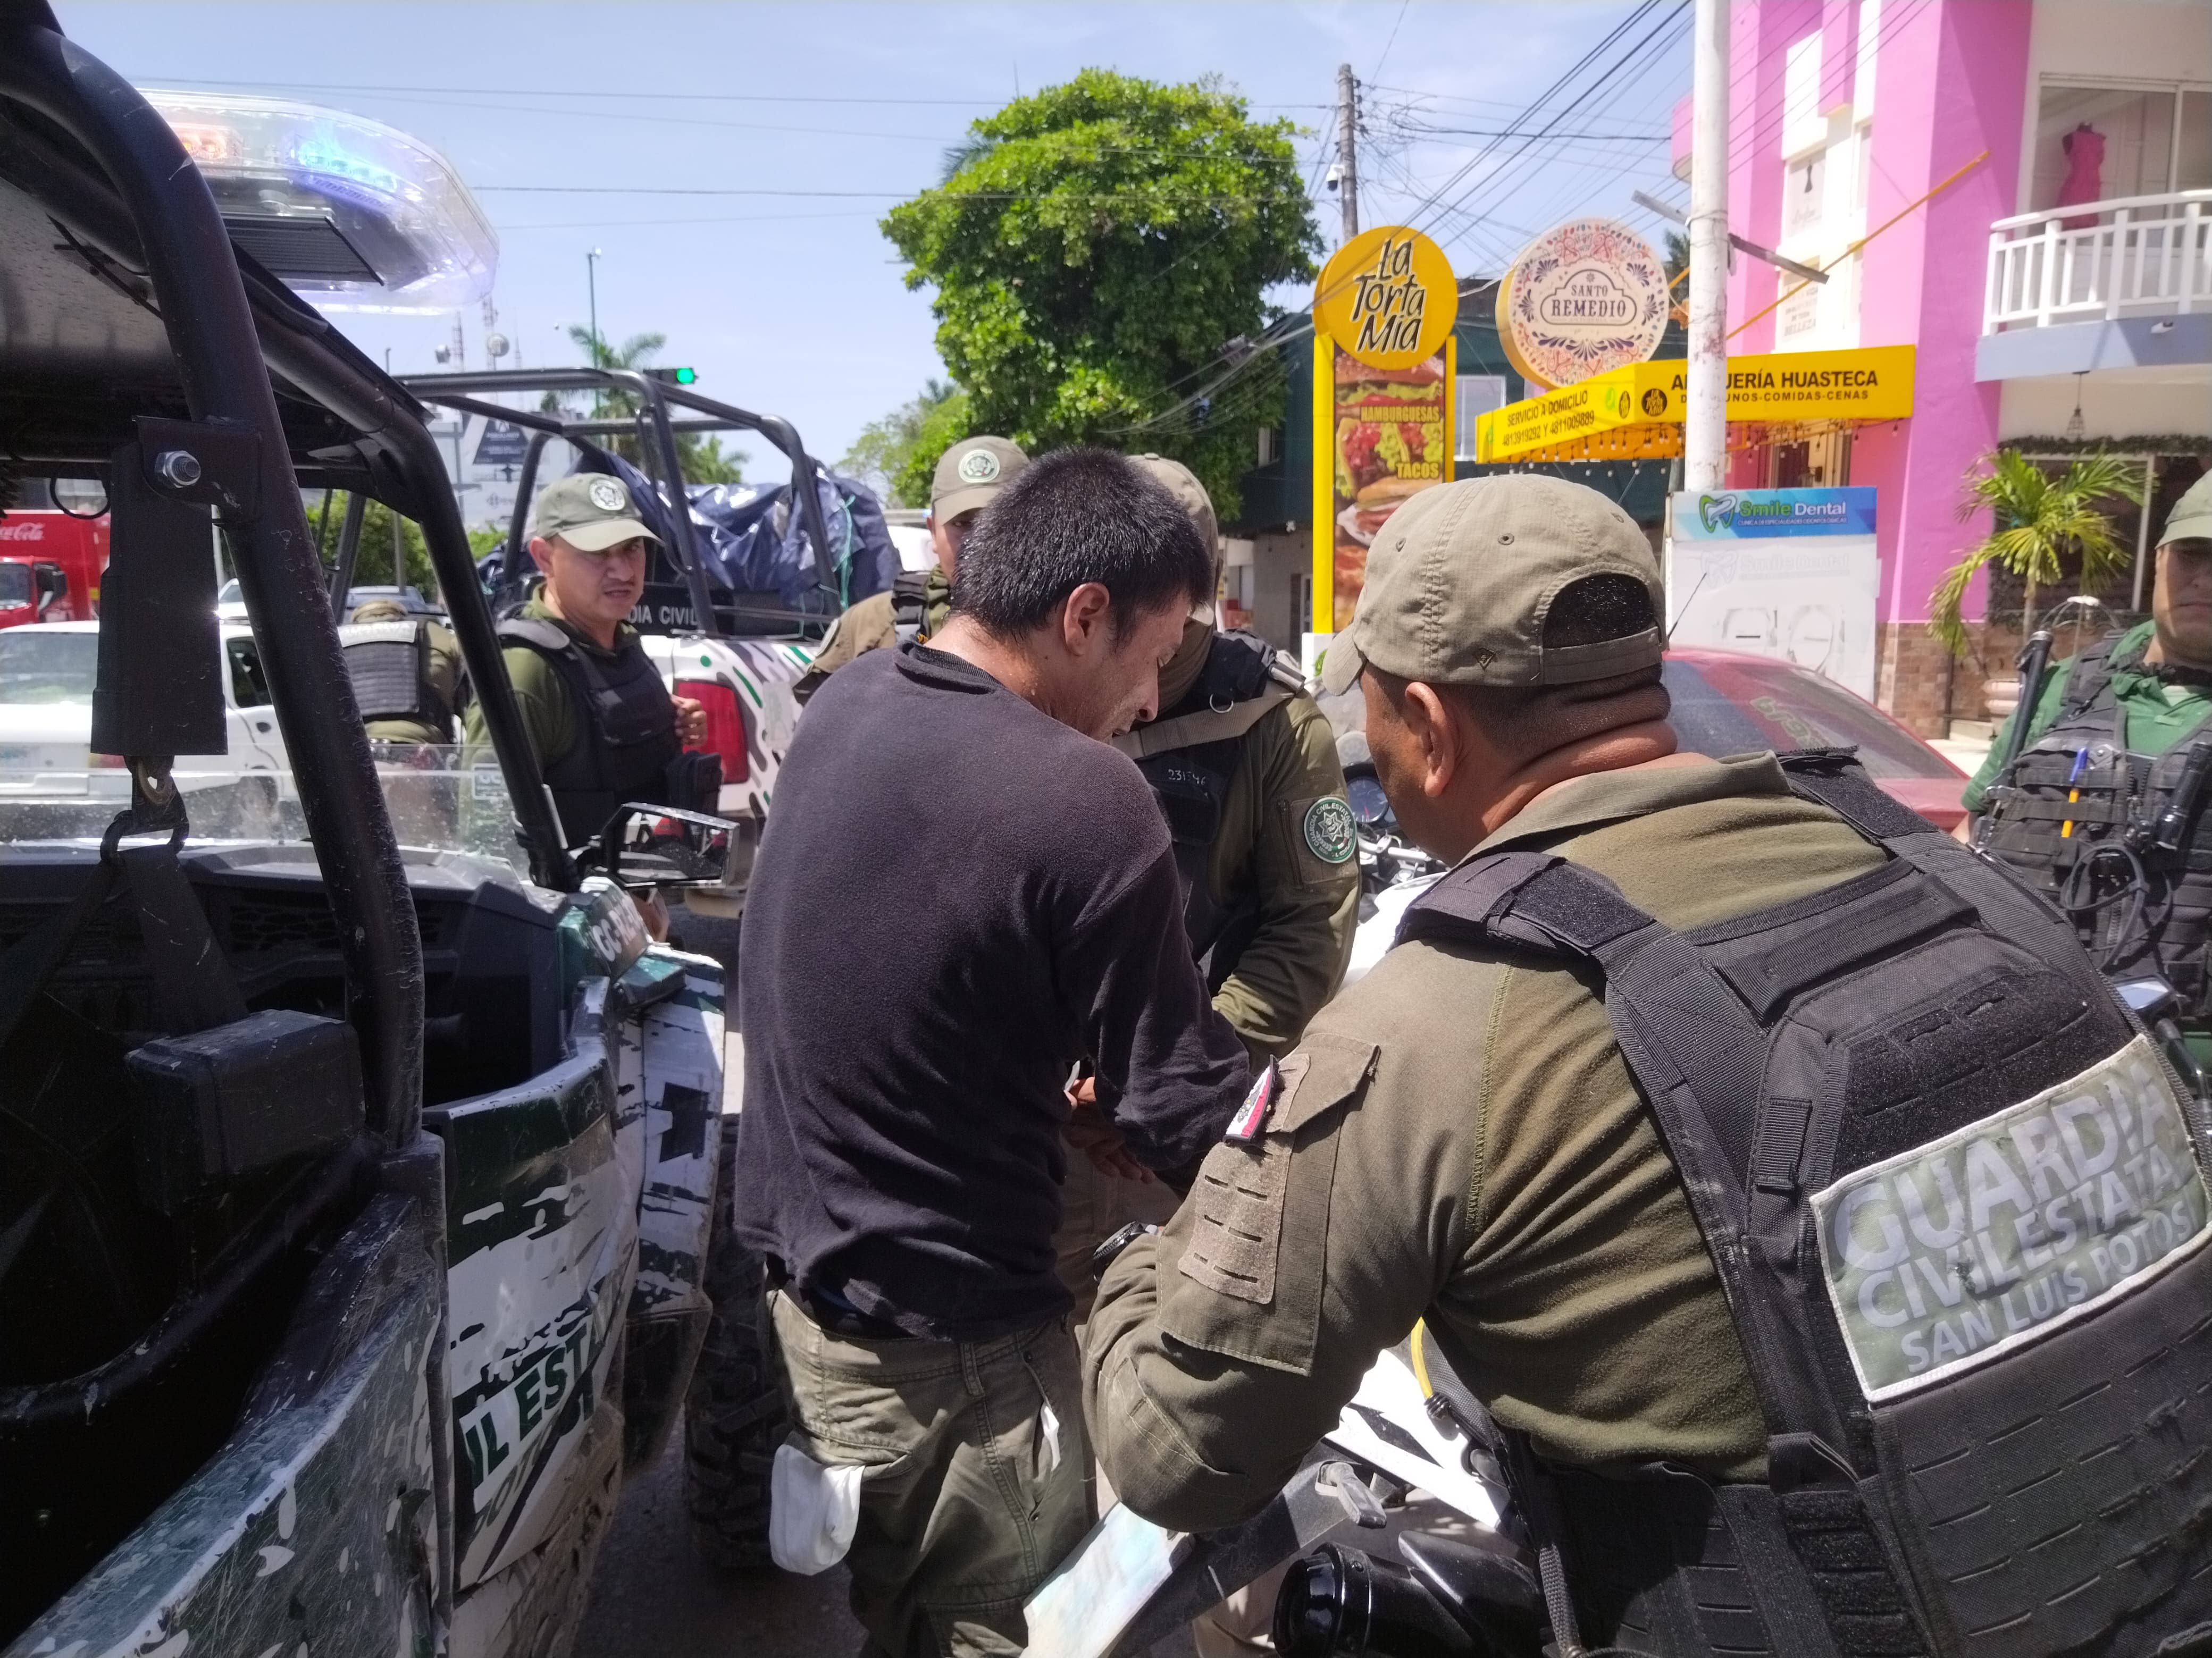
(373,564)
(701,454)
(894,455)
(2039,517)
(1098,251)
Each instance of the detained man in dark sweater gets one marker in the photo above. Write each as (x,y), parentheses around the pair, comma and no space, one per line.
(962,891)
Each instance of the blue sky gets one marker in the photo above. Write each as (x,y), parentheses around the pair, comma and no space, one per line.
(792,302)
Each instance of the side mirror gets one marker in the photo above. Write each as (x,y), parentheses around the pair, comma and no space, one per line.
(51,584)
(648,846)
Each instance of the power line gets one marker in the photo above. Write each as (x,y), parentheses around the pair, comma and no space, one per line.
(657,96)
(1597,85)
(1565,80)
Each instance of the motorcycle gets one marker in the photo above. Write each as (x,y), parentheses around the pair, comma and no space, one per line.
(1412,1424)
(1393,871)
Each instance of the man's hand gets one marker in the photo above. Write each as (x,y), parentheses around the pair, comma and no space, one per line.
(1090,1133)
(690,720)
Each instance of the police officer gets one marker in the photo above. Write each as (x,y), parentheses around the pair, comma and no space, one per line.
(604,727)
(1743,1153)
(406,673)
(1244,767)
(2103,810)
(969,474)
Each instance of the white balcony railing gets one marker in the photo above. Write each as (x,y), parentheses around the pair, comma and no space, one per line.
(2139,256)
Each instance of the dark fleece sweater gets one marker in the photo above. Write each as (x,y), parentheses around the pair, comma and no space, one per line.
(957,898)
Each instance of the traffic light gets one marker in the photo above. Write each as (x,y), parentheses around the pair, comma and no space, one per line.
(675,376)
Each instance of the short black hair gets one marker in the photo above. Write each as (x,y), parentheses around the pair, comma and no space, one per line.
(1074,516)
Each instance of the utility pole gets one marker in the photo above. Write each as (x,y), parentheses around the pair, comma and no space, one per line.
(1347,151)
(592,284)
(1704,425)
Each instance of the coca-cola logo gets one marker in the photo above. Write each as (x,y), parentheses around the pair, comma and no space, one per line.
(28,529)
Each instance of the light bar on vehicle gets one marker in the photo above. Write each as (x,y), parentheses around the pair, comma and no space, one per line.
(351,214)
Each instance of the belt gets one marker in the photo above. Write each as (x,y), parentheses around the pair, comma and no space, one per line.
(839,1317)
(850,1322)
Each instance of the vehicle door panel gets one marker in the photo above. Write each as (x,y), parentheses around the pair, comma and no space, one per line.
(543,1249)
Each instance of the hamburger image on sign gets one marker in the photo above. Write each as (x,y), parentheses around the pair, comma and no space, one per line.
(1388,444)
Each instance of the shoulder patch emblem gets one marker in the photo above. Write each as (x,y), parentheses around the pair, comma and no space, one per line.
(607,495)
(1330,832)
(1252,1116)
(978,467)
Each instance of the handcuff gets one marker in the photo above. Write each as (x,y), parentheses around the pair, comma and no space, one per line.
(1102,1256)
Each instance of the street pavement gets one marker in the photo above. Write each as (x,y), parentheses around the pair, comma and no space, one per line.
(652,1595)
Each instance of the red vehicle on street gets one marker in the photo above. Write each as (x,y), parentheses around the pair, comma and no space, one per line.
(52,553)
(1728,702)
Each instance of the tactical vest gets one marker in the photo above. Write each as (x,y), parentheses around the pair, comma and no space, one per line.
(625,729)
(910,607)
(389,662)
(1189,755)
(1953,1198)
(2115,838)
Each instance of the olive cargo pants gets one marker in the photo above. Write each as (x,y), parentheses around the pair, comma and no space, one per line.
(977,1479)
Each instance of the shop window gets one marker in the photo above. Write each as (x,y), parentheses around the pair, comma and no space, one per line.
(2104,143)
(2192,147)
(1472,395)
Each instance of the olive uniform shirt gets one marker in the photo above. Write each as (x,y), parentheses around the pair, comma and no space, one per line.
(2159,714)
(872,625)
(1458,1138)
(445,679)
(1309,906)
(548,714)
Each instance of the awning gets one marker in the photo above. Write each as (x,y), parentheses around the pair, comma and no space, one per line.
(1636,412)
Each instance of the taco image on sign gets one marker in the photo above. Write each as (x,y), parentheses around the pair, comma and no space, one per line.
(1389,422)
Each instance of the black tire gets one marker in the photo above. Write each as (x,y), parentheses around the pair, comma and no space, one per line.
(734,1416)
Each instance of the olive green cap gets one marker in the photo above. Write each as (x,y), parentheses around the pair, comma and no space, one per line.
(1460,579)
(970,473)
(1179,481)
(590,510)
(2191,516)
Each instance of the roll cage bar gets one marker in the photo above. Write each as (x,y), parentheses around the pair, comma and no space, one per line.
(91,154)
(656,433)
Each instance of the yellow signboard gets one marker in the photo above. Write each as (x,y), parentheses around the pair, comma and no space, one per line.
(1384,374)
(1874,383)
(1387,298)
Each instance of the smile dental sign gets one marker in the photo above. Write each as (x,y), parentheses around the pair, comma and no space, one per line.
(1952,1254)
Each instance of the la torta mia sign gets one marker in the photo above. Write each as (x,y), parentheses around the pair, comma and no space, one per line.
(1386,297)
(1382,379)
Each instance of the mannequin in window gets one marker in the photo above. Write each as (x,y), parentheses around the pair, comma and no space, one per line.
(2085,169)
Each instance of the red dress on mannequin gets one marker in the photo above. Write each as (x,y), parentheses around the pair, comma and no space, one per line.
(2085,168)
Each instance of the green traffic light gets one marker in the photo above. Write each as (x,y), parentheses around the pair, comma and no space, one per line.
(686,376)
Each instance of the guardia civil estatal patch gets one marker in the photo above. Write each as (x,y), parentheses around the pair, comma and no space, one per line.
(978,467)
(607,495)
(1331,835)
(1955,1253)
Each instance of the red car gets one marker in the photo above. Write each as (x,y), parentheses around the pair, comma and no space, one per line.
(1726,702)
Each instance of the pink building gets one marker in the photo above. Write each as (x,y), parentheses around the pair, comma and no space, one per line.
(2035,326)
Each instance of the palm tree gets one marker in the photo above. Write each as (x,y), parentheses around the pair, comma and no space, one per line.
(635,352)
(703,459)
(2038,518)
